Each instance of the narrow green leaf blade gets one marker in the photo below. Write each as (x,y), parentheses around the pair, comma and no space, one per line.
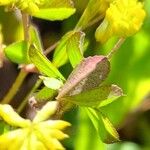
(43,64)
(104,94)
(54,13)
(17,52)
(60,55)
(35,37)
(94,9)
(74,48)
(104,127)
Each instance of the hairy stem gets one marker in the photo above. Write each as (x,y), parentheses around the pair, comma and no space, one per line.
(116,47)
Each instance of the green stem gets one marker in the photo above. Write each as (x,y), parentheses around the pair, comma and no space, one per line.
(15,87)
(21,76)
(115,48)
(24,102)
(26,25)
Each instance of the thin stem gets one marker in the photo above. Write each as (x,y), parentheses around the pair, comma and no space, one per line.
(116,47)
(26,25)
(15,87)
(93,22)
(51,48)
(22,74)
(1,55)
(24,102)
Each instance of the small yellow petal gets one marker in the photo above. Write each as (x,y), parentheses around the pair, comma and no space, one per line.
(54,133)
(55,124)
(25,144)
(57,144)
(11,117)
(35,144)
(46,140)
(16,137)
(47,110)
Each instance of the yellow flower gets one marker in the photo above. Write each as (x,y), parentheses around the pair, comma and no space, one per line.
(28,6)
(6,2)
(37,134)
(123,18)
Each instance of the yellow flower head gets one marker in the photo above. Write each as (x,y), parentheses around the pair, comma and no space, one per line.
(123,18)
(36,135)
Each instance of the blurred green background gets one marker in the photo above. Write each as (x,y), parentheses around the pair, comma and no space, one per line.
(130,69)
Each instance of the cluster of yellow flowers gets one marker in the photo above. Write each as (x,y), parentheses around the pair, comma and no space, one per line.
(123,18)
(34,135)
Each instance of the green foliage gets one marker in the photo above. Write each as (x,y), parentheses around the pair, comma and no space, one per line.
(74,48)
(43,64)
(49,10)
(45,94)
(103,126)
(54,13)
(96,97)
(94,9)
(60,55)
(84,86)
(35,38)
(17,52)
(52,83)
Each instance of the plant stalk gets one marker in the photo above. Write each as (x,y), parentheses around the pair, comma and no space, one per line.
(15,87)
(22,74)
(115,48)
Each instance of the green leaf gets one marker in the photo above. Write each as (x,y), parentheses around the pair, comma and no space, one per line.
(17,52)
(52,83)
(55,9)
(45,94)
(104,94)
(89,74)
(104,127)
(60,55)
(43,64)
(54,13)
(74,48)
(94,9)
(56,4)
(35,37)
(114,94)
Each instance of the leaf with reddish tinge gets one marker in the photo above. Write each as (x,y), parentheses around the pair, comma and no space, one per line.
(87,75)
